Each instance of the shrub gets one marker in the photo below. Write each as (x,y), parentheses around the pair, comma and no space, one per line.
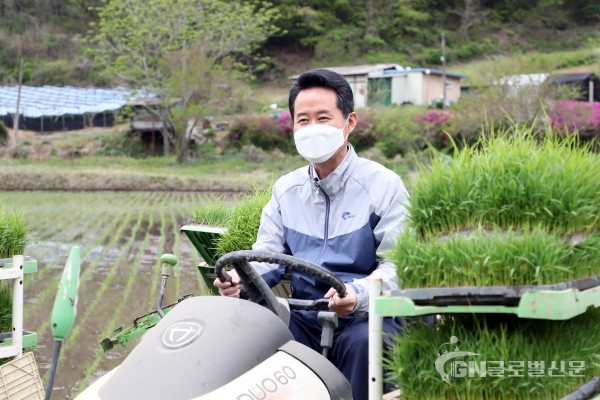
(265,132)
(397,131)
(128,144)
(569,116)
(363,137)
(433,125)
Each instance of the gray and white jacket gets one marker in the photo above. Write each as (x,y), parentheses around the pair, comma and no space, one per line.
(344,223)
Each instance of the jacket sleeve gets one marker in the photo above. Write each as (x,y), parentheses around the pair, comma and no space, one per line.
(270,238)
(393,219)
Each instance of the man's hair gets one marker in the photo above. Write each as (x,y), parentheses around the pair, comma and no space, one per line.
(326,79)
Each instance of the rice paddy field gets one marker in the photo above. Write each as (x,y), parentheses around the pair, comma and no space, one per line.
(121,236)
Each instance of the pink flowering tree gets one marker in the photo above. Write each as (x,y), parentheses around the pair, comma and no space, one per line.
(434,124)
(568,116)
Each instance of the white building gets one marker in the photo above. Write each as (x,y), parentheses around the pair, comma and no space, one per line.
(385,84)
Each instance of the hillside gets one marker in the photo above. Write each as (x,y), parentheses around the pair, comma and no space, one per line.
(47,35)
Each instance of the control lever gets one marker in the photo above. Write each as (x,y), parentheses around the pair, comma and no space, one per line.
(167,261)
(329,322)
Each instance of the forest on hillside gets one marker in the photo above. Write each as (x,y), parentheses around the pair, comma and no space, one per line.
(48,35)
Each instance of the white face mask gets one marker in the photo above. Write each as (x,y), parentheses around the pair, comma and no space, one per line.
(318,142)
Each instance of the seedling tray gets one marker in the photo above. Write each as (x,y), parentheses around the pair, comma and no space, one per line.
(204,239)
(20,379)
(559,301)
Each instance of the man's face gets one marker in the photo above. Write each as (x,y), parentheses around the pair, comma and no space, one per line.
(317,106)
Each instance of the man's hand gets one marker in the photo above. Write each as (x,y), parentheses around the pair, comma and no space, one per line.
(342,306)
(229,289)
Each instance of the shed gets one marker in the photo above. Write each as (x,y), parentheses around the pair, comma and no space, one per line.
(419,86)
(586,83)
(358,77)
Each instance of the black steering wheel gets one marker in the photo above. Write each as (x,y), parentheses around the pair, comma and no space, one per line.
(257,289)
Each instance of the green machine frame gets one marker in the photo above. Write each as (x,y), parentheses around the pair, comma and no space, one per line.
(11,270)
(561,301)
(204,239)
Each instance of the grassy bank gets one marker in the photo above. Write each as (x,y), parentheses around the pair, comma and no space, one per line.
(227,173)
(150,174)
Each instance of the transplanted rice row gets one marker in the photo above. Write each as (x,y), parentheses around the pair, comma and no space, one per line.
(159,250)
(39,220)
(49,288)
(110,234)
(177,250)
(100,224)
(177,221)
(56,234)
(48,229)
(45,225)
(43,329)
(116,315)
(90,308)
(107,280)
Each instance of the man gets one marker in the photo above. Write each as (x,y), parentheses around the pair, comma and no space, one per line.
(341,212)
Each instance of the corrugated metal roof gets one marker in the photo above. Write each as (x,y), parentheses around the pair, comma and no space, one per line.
(50,101)
(574,77)
(352,70)
(435,72)
(363,69)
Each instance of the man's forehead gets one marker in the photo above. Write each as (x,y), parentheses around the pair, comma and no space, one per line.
(316,100)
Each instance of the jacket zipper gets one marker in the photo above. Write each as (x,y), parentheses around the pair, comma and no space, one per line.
(326,233)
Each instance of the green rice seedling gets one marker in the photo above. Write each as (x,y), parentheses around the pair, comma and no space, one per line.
(510,180)
(242,226)
(5,307)
(487,257)
(13,239)
(5,313)
(215,213)
(13,233)
(512,349)
(514,209)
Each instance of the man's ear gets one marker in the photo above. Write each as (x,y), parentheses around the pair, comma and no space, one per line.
(352,121)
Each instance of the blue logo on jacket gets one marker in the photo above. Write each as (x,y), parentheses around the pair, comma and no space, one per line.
(346,215)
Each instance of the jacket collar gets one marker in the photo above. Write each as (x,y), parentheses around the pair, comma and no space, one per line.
(336,180)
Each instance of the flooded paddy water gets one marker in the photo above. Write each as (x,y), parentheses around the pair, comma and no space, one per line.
(121,236)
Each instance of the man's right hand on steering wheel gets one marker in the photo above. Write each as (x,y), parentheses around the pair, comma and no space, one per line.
(229,289)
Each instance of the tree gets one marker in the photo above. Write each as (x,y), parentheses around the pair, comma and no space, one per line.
(148,43)
(471,14)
